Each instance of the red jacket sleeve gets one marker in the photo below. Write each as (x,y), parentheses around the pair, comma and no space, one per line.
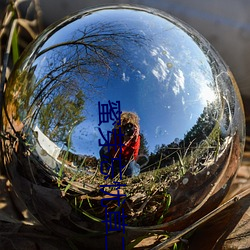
(137,144)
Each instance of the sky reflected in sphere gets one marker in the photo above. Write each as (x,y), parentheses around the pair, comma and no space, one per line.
(135,60)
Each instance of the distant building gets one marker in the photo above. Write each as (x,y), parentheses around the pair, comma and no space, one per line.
(47,150)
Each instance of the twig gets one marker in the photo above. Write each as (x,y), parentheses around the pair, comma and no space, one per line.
(5,64)
(176,238)
(146,202)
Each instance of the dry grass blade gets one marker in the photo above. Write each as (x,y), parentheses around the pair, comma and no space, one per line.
(12,17)
(176,238)
(11,36)
(28,25)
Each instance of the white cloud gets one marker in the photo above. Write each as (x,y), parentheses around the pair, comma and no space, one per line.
(183,100)
(179,82)
(154,52)
(206,93)
(142,76)
(161,70)
(145,62)
(125,78)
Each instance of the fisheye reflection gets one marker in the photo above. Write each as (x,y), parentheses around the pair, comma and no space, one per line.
(181,115)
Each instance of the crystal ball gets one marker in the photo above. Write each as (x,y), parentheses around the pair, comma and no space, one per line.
(121,108)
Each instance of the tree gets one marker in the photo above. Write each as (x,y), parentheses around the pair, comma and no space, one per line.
(144,146)
(58,117)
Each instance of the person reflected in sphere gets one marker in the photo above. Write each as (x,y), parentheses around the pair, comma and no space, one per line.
(130,130)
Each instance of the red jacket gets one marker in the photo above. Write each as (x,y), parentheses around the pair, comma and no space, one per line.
(129,151)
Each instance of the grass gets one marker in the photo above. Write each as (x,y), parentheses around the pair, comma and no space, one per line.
(146,194)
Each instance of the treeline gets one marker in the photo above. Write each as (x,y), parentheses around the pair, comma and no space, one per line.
(165,155)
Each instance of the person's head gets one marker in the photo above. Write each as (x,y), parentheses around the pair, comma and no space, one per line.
(129,117)
(129,120)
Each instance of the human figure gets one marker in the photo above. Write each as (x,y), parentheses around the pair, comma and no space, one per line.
(129,127)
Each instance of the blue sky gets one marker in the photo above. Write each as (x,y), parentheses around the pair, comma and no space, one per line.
(165,78)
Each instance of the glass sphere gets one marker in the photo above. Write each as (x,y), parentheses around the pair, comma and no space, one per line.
(123,96)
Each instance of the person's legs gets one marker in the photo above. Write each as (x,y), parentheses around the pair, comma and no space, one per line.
(133,169)
(105,160)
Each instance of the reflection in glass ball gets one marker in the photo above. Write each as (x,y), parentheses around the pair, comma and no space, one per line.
(180,113)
